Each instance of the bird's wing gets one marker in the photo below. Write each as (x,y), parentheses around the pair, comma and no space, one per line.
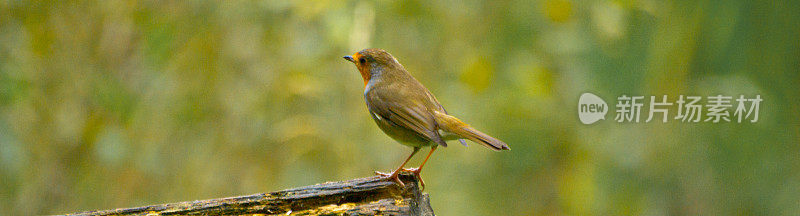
(440,107)
(409,115)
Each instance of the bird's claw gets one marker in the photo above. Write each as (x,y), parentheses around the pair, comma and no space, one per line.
(416,172)
(391,176)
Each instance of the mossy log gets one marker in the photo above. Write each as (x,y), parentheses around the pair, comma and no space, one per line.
(364,196)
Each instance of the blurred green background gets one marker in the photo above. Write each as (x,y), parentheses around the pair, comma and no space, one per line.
(108,104)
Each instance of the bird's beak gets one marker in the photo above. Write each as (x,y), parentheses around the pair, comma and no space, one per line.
(349,58)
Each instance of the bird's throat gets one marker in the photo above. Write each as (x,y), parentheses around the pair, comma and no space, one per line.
(365,74)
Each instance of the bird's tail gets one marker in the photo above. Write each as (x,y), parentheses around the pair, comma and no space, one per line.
(451,124)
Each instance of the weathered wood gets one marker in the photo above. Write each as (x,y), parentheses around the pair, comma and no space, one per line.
(364,196)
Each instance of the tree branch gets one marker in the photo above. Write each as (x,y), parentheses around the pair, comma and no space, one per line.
(364,196)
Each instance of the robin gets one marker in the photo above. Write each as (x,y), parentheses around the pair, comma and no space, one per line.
(407,112)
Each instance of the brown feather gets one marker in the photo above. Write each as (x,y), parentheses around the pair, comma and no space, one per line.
(453,125)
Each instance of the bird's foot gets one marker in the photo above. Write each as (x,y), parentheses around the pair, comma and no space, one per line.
(391,176)
(416,172)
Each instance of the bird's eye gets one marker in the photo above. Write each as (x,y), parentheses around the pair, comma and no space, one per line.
(362,60)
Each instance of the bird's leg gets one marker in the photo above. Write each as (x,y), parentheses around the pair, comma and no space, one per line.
(416,171)
(393,175)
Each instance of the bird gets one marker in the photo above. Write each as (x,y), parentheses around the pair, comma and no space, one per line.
(408,113)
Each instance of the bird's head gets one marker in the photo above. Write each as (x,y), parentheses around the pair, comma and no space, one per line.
(371,62)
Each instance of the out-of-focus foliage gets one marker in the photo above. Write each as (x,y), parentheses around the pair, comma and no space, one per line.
(107,104)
